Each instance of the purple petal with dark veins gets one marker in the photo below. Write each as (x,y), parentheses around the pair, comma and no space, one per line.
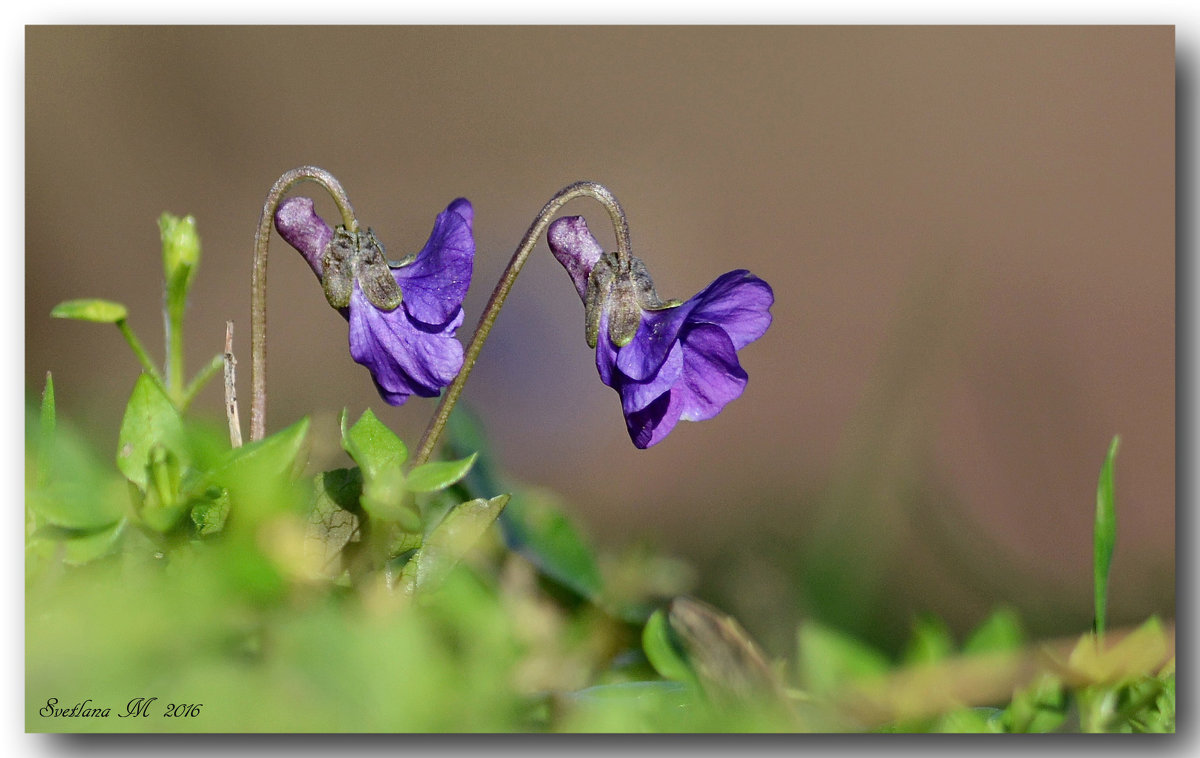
(711,376)
(300,226)
(436,282)
(739,303)
(404,359)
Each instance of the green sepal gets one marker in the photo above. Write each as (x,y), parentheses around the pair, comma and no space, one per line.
(439,475)
(163,504)
(91,309)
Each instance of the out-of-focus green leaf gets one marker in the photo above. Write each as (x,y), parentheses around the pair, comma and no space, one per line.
(533,523)
(1000,632)
(72,488)
(450,540)
(373,446)
(150,419)
(91,309)
(438,475)
(1040,707)
(661,652)
(81,546)
(1105,535)
(259,477)
(827,659)
(535,527)
(930,641)
(46,422)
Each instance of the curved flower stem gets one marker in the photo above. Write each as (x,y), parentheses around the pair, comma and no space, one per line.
(258,282)
(597,192)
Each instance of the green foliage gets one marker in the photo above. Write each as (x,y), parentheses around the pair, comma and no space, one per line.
(231,586)
(534,524)
(826,659)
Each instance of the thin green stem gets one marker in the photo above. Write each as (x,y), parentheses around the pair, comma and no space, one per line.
(174,321)
(140,352)
(580,189)
(258,283)
(201,379)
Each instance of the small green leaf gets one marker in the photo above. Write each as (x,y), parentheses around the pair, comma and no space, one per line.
(449,541)
(258,476)
(332,523)
(1105,535)
(827,658)
(439,475)
(209,514)
(91,309)
(1000,632)
(150,419)
(930,641)
(373,446)
(661,652)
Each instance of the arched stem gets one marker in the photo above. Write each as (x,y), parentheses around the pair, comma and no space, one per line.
(258,281)
(593,190)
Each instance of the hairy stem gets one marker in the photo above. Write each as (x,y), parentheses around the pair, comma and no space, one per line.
(593,190)
(258,283)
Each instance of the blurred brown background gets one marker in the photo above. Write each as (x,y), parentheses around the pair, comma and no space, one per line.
(970,233)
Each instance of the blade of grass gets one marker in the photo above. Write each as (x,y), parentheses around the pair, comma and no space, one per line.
(1105,534)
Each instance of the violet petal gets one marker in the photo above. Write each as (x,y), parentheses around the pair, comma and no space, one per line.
(711,377)
(436,282)
(403,358)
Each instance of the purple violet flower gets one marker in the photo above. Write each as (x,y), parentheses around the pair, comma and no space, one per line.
(669,361)
(402,316)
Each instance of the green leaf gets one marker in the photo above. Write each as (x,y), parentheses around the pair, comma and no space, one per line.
(72,488)
(453,538)
(1105,534)
(535,527)
(661,651)
(89,547)
(46,422)
(259,475)
(150,419)
(1000,632)
(209,514)
(533,523)
(91,309)
(930,641)
(373,446)
(439,475)
(827,658)
(332,522)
